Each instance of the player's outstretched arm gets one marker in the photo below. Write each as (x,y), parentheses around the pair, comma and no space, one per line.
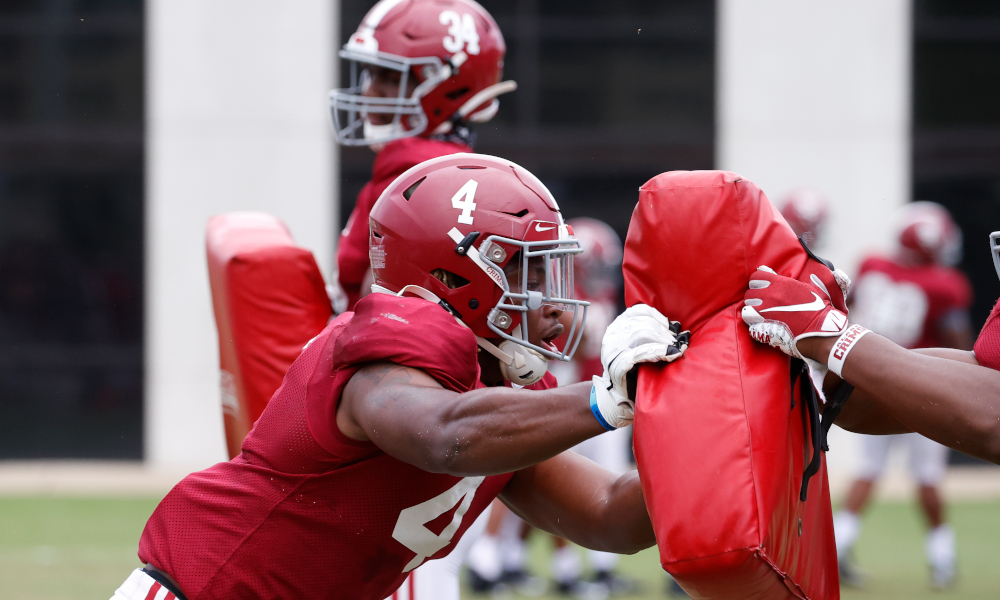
(408,415)
(574,498)
(941,394)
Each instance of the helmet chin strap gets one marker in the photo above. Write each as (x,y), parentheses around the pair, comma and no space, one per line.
(516,366)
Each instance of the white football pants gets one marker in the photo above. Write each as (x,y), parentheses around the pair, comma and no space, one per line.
(928,459)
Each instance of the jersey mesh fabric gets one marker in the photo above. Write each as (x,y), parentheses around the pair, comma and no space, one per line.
(987,347)
(945,289)
(304,511)
(391,162)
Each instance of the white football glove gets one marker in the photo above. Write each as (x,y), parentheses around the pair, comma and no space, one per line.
(639,335)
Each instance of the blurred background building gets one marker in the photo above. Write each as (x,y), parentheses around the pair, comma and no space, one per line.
(125,124)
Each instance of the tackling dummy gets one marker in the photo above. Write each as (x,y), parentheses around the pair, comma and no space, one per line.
(723,438)
(269,300)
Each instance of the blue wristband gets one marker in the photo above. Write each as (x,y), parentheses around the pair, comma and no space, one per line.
(597,411)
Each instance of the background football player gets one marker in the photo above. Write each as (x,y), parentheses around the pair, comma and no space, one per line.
(806,211)
(394,429)
(917,299)
(597,279)
(421,72)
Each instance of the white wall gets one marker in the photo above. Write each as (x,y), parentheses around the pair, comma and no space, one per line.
(817,94)
(236,120)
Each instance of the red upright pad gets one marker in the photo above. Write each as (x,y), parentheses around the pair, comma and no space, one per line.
(269,300)
(719,448)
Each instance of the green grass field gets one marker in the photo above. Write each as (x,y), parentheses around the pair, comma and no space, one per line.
(71,548)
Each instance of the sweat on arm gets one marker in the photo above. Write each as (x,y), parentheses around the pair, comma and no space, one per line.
(410,416)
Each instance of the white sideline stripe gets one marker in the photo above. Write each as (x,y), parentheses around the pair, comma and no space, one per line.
(98,478)
(86,478)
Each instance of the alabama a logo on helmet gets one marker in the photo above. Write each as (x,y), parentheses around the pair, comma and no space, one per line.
(461,32)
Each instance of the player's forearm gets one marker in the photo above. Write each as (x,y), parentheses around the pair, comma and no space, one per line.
(499,430)
(627,523)
(572,497)
(409,416)
(950,401)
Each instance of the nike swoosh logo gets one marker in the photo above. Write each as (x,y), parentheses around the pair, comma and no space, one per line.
(539,228)
(815,305)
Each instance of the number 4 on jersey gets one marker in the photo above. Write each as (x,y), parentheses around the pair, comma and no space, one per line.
(468,204)
(410,529)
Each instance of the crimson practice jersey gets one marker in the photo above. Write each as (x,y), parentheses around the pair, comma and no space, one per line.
(305,512)
(987,347)
(391,162)
(907,304)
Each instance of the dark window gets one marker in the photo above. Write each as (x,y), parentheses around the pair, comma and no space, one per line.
(956,130)
(71,223)
(956,127)
(609,95)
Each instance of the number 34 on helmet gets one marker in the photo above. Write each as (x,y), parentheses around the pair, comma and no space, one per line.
(448,56)
(484,237)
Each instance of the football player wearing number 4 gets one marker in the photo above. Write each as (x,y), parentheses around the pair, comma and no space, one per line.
(395,428)
(948,395)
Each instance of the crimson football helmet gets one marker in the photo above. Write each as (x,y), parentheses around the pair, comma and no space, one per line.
(599,266)
(453,50)
(806,212)
(925,233)
(447,229)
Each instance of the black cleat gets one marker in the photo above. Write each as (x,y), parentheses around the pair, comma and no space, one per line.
(495,588)
(618,585)
(582,590)
(524,583)
(850,575)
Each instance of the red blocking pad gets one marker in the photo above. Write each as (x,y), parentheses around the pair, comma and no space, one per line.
(719,446)
(270,300)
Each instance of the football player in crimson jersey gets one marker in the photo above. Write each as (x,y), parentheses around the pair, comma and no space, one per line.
(806,212)
(597,277)
(917,299)
(395,427)
(944,394)
(421,72)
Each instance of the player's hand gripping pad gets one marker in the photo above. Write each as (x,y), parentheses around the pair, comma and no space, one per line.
(719,446)
(270,300)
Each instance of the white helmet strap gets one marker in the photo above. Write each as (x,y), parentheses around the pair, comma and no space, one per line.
(995,250)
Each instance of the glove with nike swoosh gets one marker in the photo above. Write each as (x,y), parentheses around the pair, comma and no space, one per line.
(781,311)
(639,335)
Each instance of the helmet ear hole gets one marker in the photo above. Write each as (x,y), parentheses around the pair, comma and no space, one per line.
(452,280)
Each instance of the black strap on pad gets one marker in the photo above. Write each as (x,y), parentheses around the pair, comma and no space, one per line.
(816,429)
(810,403)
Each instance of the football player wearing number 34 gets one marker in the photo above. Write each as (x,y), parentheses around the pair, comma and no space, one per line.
(950,396)
(403,420)
(423,73)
